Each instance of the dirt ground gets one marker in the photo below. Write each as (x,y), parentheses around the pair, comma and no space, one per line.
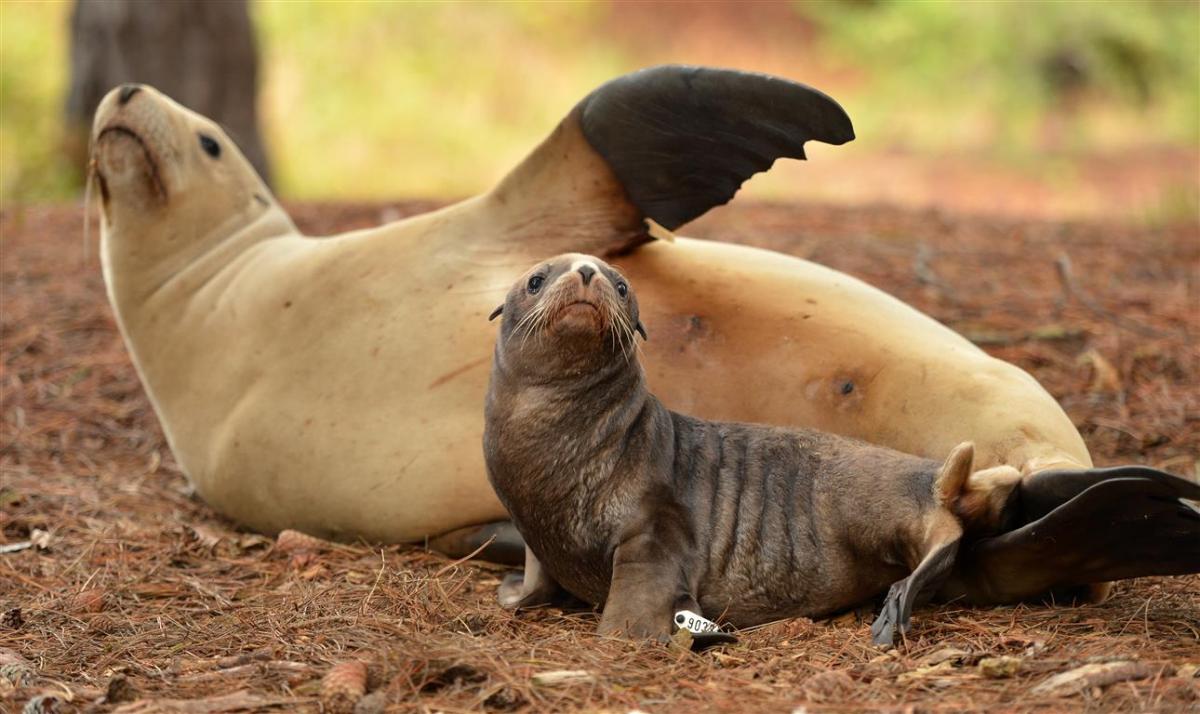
(136,597)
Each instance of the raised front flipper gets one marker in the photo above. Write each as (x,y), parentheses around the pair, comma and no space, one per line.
(666,143)
(1118,527)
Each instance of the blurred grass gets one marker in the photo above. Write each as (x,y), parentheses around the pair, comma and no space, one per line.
(431,99)
(33,81)
(1070,76)
(373,100)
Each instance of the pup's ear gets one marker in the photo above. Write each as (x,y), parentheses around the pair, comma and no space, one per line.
(496,313)
(641,329)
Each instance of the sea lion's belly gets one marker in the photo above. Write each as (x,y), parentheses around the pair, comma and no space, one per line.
(347,394)
(792,522)
(738,333)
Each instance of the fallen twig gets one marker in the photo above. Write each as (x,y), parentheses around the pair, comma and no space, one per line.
(1065,276)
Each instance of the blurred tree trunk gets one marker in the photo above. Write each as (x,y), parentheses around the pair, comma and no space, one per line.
(201,54)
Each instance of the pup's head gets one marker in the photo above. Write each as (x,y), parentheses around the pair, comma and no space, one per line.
(167,174)
(573,310)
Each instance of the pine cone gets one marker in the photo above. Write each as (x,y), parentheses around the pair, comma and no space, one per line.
(343,686)
(290,541)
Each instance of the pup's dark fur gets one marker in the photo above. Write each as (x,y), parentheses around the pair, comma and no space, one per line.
(625,503)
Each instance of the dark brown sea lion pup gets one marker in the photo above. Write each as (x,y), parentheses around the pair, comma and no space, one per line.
(648,511)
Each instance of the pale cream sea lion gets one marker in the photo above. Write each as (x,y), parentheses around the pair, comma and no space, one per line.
(334,385)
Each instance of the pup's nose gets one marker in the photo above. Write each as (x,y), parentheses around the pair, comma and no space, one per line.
(587,272)
(127,92)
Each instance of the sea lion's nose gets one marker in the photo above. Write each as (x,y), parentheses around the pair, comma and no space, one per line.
(127,92)
(587,271)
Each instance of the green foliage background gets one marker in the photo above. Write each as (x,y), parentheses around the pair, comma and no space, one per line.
(959,69)
(396,99)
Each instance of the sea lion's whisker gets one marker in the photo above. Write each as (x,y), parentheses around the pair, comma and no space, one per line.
(622,322)
(528,317)
(626,333)
(613,325)
(614,320)
(551,306)
(530,322)
(92,176)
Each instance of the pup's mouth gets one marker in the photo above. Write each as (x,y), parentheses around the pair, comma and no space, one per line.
(582,304)
(578,314)
(103,150)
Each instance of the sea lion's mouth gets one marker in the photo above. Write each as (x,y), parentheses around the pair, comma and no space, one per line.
(582,303)
(577,314)
(157,187)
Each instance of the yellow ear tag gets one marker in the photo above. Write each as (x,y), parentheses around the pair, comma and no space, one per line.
(657,231)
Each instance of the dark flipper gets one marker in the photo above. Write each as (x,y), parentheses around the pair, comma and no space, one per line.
(1043,492)
(1116,523)
(916,588)
(666,143)
(506,546)
(683,139)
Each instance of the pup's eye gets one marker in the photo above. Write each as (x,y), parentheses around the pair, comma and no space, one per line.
(210,146)
(535,283)
(622,289)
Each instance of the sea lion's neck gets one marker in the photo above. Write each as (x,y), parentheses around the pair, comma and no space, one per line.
(554,452)
(138,264)
(533,413)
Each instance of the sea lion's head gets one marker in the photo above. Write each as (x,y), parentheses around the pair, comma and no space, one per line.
(165,172)
(573,311)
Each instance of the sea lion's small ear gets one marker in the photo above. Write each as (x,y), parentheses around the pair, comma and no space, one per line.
(641,330)
(496,313)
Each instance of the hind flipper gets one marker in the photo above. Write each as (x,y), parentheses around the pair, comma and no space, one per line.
(1118,527)
(666,143)
(497,542)
(1041,493)
(683,139)
(913,590)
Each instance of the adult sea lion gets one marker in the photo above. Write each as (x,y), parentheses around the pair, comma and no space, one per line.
(294,393)
(647,511)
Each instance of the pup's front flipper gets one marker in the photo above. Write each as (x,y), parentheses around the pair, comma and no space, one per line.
(916,588)
(1088,526)
(534,587)
(647,584)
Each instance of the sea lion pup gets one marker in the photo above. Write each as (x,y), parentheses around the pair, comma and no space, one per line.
(626,503)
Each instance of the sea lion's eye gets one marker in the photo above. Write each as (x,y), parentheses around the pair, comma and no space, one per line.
(622,289)
(210,146)
(535,284)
